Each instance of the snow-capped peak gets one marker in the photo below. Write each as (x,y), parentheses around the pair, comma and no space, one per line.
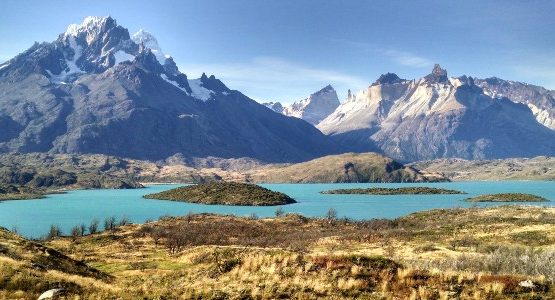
(91,25)
(149,41)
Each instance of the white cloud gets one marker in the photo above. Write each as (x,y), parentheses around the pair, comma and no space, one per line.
(275,79)
(400,57)
(407,59)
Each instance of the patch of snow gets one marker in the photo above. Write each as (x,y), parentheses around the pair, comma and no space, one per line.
(122,56)
(173,83)
(183,116)
(149,41)
(199,91)
(72,67)
(4,66)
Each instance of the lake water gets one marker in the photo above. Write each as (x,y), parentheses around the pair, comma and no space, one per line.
(32,218)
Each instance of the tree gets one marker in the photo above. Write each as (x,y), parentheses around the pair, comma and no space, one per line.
(331,215)
(54,232)
(279,212)
(93,227)
(110,223)
(75,232)
(82,229)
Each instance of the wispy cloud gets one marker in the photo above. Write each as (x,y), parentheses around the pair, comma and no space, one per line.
(400,57)
(408,59)
(271,78)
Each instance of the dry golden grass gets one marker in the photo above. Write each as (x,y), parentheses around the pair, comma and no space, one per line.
(409,258)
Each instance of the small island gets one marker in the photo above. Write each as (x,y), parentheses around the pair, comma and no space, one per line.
(224,193)
(507,197)
(13,192)
(394,191)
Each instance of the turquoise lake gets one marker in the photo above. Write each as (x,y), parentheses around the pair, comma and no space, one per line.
(32,218)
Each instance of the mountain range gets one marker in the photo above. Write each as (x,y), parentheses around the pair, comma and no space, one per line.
(440,116)
(98,89)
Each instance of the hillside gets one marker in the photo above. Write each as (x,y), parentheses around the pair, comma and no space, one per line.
(482,252)
(349,167)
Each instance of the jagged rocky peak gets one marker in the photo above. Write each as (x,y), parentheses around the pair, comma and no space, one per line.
(315,107)
(143,37)
(388,78)
(213,84)
(438,75)
(104,30)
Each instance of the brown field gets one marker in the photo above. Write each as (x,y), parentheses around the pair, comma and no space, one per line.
(494,253)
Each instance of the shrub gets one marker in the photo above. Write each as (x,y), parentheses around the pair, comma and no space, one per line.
(93,226)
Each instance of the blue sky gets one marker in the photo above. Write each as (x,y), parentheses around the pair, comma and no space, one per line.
(284,50)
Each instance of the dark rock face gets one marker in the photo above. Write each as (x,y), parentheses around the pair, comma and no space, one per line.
(94,90)
(438,75)
(388,78)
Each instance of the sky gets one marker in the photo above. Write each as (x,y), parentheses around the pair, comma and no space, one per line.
(285,50)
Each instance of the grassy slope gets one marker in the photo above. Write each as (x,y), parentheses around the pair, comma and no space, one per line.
(349,167)
(224,193)
(457,253)
(394,191)
(27,269)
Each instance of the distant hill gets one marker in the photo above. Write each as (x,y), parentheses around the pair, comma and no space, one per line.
(537,168)
(349,167)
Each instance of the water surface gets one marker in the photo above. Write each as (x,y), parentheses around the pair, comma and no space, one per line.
(32,218)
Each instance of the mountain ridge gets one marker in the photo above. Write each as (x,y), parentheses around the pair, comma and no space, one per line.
(437,116)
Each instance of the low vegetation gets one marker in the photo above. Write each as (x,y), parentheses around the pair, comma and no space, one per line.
(224,193)
(394,191)
(507,197)
(473,253)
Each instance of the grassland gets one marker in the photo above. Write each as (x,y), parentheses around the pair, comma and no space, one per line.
(394,191)
(507,197)
(476,253)
(224,193)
